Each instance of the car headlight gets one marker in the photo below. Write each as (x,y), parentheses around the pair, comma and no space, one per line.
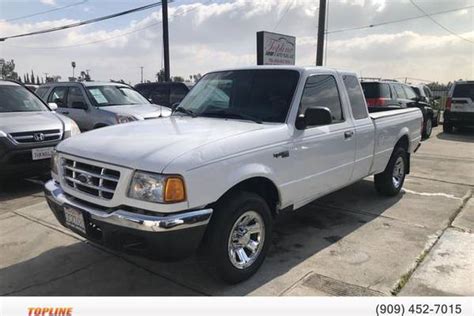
(71,129)
(124,118)
(55,161)
(152,187)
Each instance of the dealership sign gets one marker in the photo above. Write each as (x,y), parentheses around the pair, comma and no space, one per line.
(275,49)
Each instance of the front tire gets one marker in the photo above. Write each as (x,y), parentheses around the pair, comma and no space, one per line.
(390,182)
(238,237)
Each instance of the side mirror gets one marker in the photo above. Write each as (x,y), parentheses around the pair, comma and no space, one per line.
(53,106)
(79,105)
(314,116)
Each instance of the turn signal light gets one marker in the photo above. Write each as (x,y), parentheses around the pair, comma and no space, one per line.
(174,190)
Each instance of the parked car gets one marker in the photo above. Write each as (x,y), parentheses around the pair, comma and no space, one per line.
(459,111)
(382,95)
(29,131)
(163,93)
(97,104)
(32,87)
(244,145)
(424,93)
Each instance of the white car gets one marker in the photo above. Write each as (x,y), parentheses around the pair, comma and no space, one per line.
(244,145)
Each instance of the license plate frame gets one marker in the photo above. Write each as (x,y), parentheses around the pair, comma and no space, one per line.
(42,153)
(75,219)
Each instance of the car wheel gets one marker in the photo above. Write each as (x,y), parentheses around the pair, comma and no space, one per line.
(447,128)
(428,128)
(238,237)
(390,182)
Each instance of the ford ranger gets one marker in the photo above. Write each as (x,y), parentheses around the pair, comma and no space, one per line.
(244,145)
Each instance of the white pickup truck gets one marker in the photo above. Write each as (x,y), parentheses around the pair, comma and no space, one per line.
(244,145)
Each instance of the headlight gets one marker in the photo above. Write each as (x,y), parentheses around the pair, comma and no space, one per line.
(152,187)
(71,129)
(124,118)
(55,160)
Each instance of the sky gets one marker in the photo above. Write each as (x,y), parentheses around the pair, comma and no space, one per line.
(206,35)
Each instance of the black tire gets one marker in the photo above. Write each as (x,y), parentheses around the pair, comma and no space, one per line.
(215,254)
(447,128)
(428,128)
(385,182)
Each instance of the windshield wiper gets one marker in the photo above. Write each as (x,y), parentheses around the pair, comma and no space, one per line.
(232,114)
(185,111)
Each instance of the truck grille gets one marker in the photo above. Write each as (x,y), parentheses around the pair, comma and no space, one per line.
(37,136)
(90,179)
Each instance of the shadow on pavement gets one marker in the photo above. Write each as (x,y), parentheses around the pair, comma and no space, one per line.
(296,238)
(13,188)
(459,135)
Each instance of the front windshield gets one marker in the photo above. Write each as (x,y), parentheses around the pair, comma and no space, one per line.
(115,95)
(258,95)
(19,99)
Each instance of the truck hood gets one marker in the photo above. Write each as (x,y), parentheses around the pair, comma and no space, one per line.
(140,111)
(152,145)
(30,121)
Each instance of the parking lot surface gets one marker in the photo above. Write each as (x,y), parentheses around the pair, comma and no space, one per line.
(352,242)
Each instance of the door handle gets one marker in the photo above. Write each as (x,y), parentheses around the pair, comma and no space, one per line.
(65,113)
(348,134)
(282,154)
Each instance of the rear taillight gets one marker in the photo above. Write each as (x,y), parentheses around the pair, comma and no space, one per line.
(448,103)
(376,102)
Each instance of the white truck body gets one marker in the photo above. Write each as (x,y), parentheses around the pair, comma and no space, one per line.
(214,155)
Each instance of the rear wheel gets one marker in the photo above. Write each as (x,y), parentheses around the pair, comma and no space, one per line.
(390,182)
(238,237)
(447,128)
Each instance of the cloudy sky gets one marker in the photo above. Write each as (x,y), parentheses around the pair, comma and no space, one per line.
(211,34)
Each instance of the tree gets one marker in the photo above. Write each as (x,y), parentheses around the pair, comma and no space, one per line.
(7,69)
(37,80)
(32,78)
(27,78)
(177,79)
(160,76)
(196,77)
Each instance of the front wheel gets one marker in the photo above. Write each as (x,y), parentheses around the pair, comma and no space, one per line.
(238,237)
(390,181)
(428,128)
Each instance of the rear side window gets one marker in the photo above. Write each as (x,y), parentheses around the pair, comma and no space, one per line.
(177,93)
(409,92)
(427,92)
(356,97)
(399,91)
(144,90)
(464,91)
(417,91)
(160,95)
(321,90)
(375,90)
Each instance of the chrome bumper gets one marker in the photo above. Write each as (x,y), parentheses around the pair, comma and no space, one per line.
(122,218)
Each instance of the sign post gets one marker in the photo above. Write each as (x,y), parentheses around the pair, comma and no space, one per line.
(275,49)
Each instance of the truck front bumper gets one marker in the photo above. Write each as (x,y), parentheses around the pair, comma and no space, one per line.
(161,236)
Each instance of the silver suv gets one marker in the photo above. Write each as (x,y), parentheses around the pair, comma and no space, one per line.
(97,104)
(459,111)
(29,131)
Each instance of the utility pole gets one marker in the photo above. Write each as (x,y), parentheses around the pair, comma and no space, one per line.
(166,48)
(321,32)
(141,74)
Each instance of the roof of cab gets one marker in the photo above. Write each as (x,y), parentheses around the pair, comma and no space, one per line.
(9,83)
(300,69)
(86,83)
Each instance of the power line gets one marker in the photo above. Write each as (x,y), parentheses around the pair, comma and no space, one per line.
(54,29)
(47,11)
(437,23)
(290,4)
(396,21)
(111,37)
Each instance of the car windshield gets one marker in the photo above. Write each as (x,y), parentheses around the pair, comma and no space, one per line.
(374,90)
(465,90)
(257,95)
(19,99)
(115,95)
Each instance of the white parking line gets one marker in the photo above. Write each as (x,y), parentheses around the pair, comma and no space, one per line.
(448,196)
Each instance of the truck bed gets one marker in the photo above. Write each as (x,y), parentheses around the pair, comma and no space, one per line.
(389,127)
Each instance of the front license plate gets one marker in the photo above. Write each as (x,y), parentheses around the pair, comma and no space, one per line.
(74,219)
(42,153)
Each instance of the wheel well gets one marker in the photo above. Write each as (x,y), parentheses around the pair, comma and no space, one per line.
(403,142)
(261,186)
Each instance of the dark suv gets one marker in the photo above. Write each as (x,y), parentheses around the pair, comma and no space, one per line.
(459,111)
(163,93)
(382,95)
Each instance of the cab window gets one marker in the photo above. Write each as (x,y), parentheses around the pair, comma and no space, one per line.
(58,96)
(321,90)
(356,97)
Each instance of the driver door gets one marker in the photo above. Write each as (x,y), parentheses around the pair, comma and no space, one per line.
(78,108)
